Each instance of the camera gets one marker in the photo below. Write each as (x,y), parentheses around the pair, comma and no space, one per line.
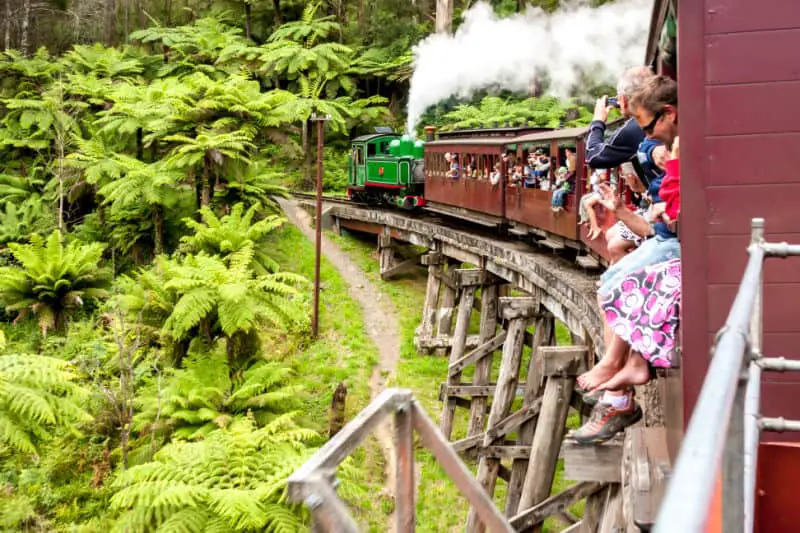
(612,102)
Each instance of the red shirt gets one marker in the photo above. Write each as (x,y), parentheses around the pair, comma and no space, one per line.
(670,190)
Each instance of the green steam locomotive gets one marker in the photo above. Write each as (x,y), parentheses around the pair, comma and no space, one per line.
(386,168)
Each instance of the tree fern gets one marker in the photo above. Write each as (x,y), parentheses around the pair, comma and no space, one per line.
(225,298)
(51,279)
(36,393)
(230,233)
(234,480)
(206,394)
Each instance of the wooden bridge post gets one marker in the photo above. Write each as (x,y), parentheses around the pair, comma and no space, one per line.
(560,364)
(433,261)
(518,311)
(483,367)
(467,282)
(385,249)
(446,305)
(544,334)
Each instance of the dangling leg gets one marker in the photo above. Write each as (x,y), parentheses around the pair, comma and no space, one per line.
(610,364)
(635,372)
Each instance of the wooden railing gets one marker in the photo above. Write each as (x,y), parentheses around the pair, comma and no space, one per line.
(313,484)
(723,434)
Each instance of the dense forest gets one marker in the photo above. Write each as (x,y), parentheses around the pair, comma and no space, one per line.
(151,327)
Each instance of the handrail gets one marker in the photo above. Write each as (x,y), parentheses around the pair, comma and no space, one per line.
(723,433)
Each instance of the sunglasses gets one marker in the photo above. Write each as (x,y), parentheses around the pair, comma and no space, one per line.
(652,126)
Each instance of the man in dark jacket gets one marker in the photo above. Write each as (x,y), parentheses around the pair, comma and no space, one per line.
(624,143)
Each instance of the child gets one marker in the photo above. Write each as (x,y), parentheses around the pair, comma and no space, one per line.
(562,189)
(589,200)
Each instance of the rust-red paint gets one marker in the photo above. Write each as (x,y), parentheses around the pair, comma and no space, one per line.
(467,193)
(533,207)
(776,488)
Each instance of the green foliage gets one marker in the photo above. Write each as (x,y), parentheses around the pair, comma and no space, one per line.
(192,402)
(231,233)
(225,297)
(545,112)
(51,279)
(234,480)
(36,393)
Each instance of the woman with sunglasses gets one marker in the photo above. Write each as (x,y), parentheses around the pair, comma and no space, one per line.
(640,298)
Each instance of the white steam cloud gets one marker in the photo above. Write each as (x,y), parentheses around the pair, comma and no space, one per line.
(510,53)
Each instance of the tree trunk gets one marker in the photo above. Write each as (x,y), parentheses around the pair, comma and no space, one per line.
(126,21)
(26,21)
(7,26)
(140,16)
(276,4)
(247,19)
(168,11)
(158,237)
(444,16)
(111,22)
(139,144)
(206,196)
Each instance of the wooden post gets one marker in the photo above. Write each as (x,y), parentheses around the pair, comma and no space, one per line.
(445,313)
(518,311)
(483,368)
(433,260)
(543,335)
(405,500)
(338,407)
(386,250)
(467,284)
(560,365)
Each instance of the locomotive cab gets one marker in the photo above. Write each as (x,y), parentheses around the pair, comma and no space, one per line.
(386,168)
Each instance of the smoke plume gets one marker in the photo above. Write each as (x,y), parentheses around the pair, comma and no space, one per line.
(512,53)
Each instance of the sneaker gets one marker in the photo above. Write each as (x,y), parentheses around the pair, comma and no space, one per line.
(605,422)
(592,397)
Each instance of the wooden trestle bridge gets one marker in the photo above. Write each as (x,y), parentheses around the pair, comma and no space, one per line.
(516,425)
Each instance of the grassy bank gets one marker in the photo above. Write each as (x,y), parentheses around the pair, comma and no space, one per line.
(441,507)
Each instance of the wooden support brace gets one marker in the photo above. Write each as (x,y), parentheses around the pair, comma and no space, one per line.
(563,360)
(534,516)
(544,335)
(518,307)
(521,309)
(431,259)
(457,352)
(399,267)
(547,441)
(426,329)
(601,462)
(483,365)
(485,391)
(477,355)
(442,342)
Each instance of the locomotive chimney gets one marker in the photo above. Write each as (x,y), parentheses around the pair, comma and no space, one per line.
(430,132)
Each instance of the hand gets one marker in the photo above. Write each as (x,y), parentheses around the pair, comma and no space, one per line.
(609,200)
(675,149)
(601,109)
(657,211)
(660,156)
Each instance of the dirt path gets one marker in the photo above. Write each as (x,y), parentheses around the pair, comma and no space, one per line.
(380,321)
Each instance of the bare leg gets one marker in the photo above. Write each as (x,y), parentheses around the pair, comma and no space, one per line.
(635,372)
(610,364)
(618,247)
(594,229)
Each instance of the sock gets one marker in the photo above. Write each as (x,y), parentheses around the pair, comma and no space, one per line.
(617,402)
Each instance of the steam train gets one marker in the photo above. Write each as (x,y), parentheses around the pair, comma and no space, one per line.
(388,168)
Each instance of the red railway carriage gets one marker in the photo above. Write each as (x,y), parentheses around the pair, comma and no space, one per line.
(737,63)
(524,211)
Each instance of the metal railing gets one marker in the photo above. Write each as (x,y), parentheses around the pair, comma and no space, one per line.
(725,428)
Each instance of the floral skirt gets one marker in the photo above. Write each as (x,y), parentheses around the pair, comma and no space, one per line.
(644,310)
